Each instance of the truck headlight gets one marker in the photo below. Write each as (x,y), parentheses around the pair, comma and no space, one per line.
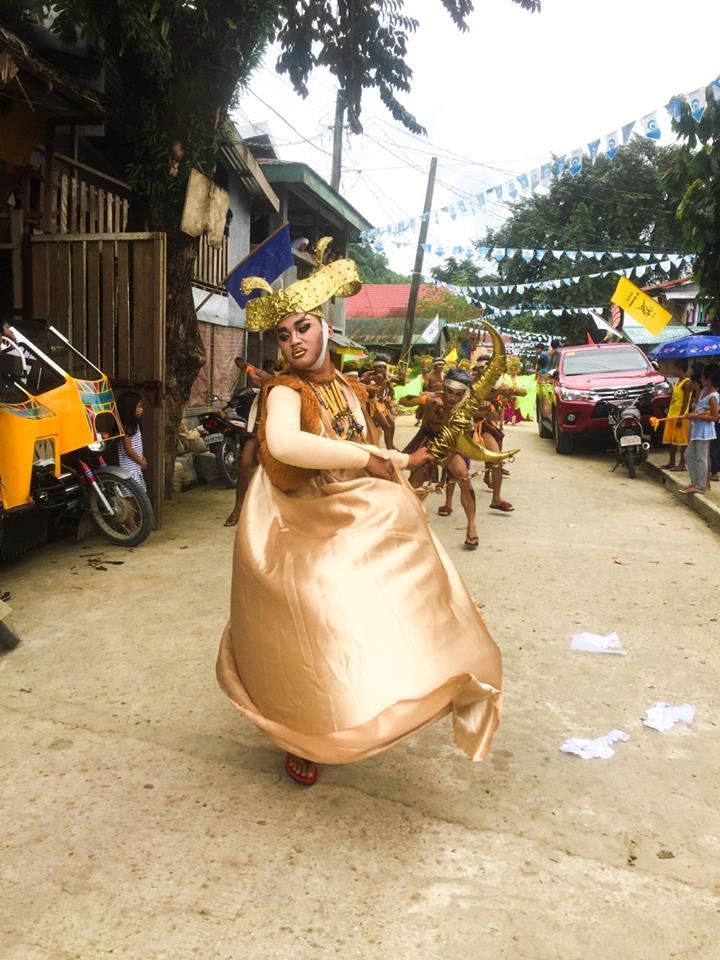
(97,447)
(566,394)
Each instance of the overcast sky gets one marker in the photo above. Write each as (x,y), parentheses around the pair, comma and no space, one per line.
(496,101)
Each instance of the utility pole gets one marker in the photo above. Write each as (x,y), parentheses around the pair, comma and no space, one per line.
(337,141)
(417,272)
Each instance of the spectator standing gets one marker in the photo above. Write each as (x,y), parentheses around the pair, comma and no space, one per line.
(702,430)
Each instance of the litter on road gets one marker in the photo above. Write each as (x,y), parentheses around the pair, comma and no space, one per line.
(597,643)
(597,749)
(663,716)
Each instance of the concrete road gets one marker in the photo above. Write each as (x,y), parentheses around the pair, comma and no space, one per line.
(143,819)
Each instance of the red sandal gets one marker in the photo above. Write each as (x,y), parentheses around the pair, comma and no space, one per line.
(444,511)
(503,505)
(298,777)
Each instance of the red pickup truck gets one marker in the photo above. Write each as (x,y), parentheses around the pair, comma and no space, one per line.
(580,377)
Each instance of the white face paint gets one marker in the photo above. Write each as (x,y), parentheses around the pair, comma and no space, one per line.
(323,352)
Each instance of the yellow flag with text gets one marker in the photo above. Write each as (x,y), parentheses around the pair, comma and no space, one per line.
(641,307)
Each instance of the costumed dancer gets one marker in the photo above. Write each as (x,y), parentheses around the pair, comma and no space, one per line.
(433,381)
(436,410)
(379,386)
(328,526)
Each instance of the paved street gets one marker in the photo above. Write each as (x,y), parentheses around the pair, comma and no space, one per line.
(143,819)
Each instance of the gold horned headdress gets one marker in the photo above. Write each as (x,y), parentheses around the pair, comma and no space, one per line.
(337,279)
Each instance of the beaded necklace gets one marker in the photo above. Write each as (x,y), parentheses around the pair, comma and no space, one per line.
(330,396)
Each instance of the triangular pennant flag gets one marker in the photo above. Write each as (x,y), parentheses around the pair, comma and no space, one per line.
(645,256)
(575,165)
(540,254)
(558,253)
(511,251)
(617,256)
(664,265)
(650,126)
(427,247)
(511,188)
(567,281)
(698,101)
(535,178)
(612,144)
(483,251)
(715,88)
(546,172)
(588,254)
(572,254)
(627,130)
(559,165)
(640,271)
(528,255)
(524,181)
(498,191)
(557,313)
(676,261)
(598,254)
(674,107)
(593,148)
(520,288)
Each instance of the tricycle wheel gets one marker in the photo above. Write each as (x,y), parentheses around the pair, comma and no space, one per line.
(131,519)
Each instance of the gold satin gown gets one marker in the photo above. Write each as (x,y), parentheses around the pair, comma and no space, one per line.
(350,628)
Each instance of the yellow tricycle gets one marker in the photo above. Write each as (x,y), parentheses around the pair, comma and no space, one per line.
(57,416)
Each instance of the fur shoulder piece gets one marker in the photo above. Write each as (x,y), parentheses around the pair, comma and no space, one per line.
(359,390)
(283,475)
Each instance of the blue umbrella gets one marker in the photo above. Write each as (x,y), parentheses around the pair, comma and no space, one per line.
(697,345)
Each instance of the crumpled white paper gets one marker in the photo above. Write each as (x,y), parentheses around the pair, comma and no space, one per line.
(596,643)
(663,716)
(597,749)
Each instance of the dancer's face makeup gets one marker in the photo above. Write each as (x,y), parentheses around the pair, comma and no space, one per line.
(454,392)
(301,340)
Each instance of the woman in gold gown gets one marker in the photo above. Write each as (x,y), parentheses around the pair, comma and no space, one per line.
(350,628)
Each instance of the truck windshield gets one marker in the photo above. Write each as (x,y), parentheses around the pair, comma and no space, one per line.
(617,360)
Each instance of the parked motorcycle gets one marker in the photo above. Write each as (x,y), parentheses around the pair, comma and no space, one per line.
(632,445)
(225,432)
(57,414)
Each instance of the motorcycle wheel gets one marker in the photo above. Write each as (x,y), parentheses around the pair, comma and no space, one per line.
(132,519)
(629,458)
(8,638)
(228,462)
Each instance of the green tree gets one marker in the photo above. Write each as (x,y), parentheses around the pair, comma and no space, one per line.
(178,66)
(626,203)
(373,267)
(696,177)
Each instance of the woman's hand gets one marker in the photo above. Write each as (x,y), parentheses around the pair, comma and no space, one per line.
(420,458)
(379,468)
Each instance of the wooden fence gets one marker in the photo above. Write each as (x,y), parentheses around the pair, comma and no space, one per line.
(106,293)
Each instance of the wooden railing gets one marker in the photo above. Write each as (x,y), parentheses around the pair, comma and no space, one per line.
(211,265)
(82,207)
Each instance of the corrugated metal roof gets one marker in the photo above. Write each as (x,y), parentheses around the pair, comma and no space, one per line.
(388,331)
(386,299)
(638,334)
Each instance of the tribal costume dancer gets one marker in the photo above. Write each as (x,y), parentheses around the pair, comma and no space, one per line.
(436,411)
(379,386)
(328,527)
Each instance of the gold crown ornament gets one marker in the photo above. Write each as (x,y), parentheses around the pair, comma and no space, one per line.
(337,279)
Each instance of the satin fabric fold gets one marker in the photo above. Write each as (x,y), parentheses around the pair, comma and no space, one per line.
(350,628)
